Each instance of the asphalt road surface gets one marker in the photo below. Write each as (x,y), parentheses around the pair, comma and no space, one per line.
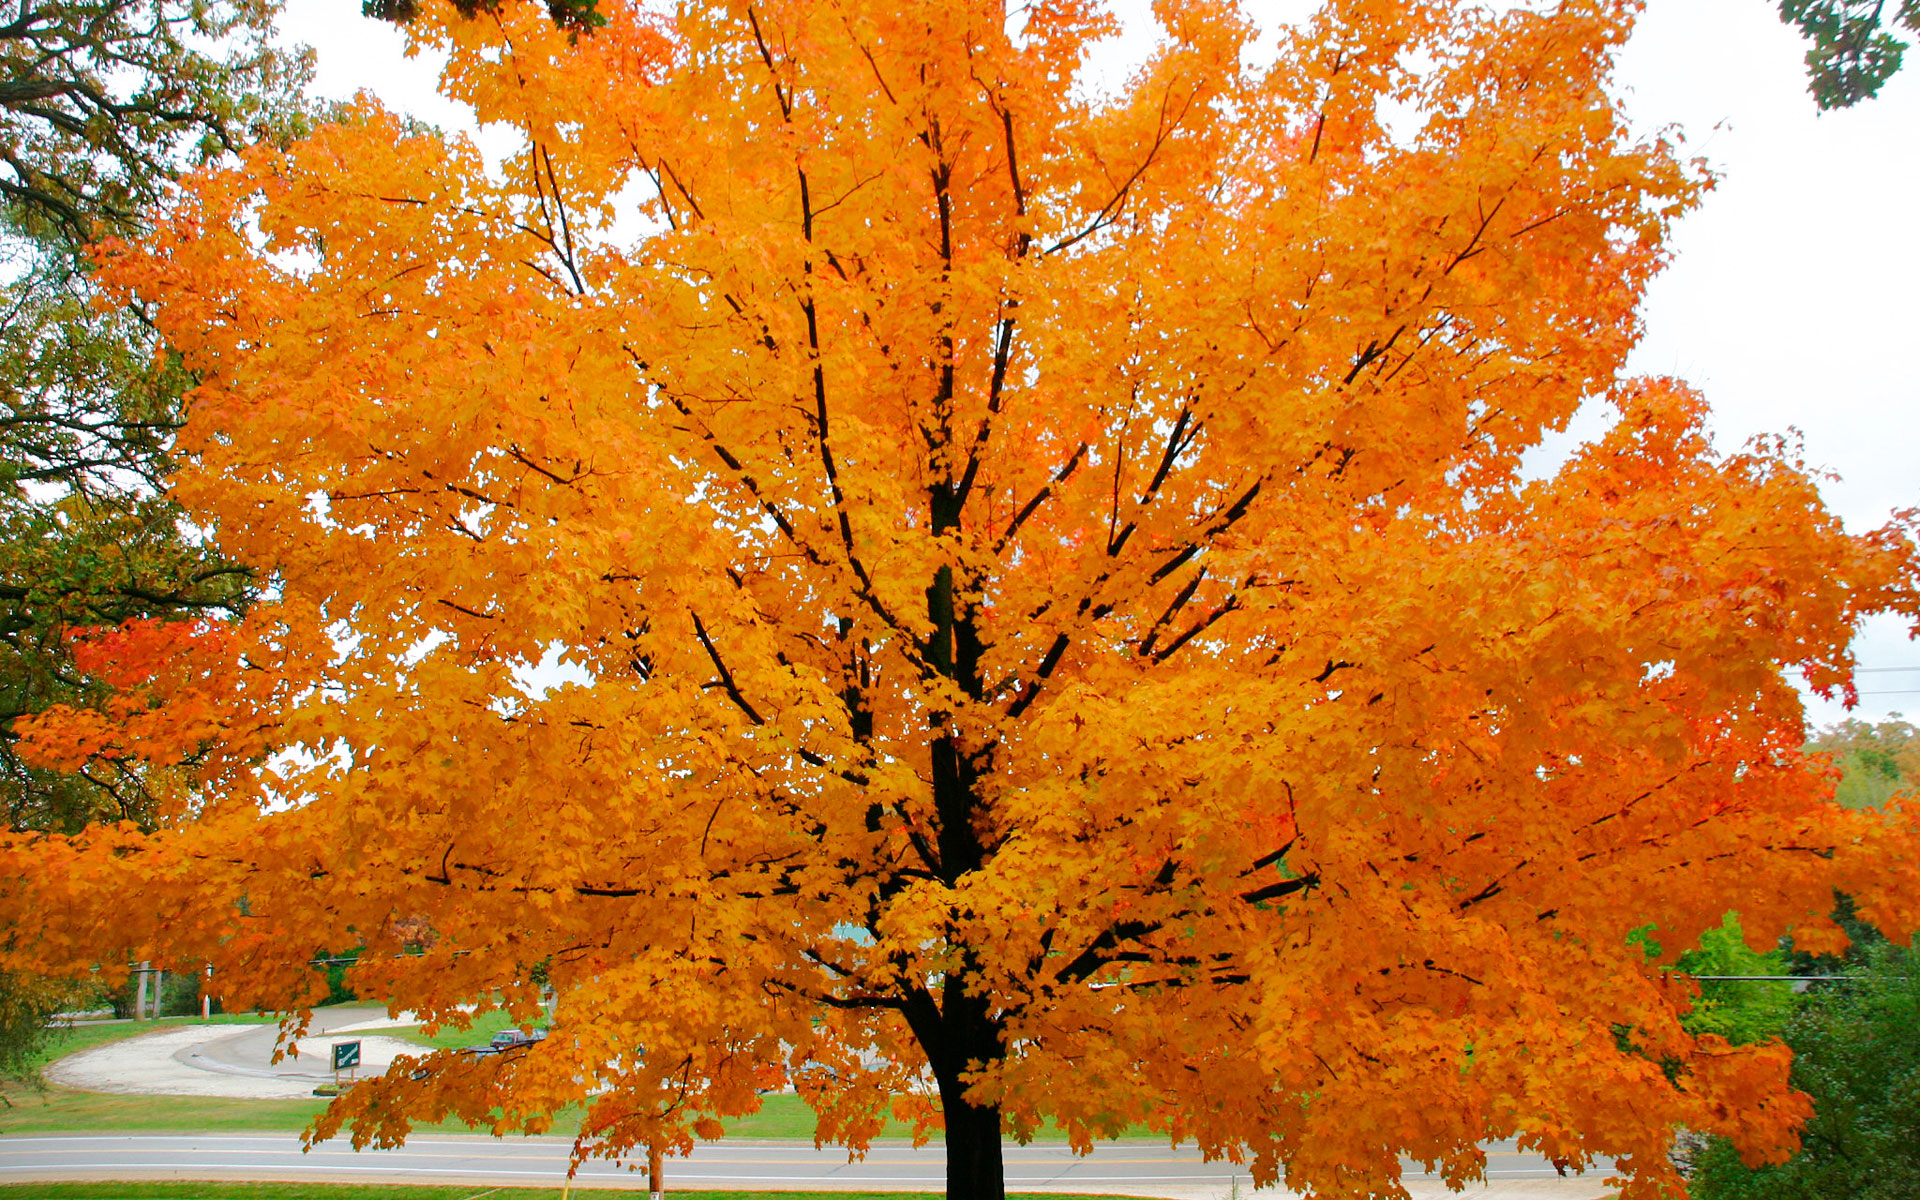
(1137,1168)
(229,1060)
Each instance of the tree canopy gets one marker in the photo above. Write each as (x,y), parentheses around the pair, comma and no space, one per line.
(86,539)
(102,104)
(856,557)
(1855,50)
(102,100)
(1875,760)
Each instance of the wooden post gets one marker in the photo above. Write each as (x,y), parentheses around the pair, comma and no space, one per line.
(140,997)
(655,1185)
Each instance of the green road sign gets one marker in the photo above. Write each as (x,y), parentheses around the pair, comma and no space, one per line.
(346,1055)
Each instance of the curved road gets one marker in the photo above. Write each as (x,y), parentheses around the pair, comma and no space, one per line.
(232,1060)
(1140,1168)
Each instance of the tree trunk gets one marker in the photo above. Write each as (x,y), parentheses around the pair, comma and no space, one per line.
(960,1031)
(975,1168)
(959,1034)
(140,996)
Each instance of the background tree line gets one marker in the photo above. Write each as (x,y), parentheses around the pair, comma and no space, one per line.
(1854,1026)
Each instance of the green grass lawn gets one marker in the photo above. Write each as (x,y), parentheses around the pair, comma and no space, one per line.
(63,1110)
(484,1026)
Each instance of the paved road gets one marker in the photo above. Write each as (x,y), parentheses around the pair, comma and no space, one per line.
(1136,1168)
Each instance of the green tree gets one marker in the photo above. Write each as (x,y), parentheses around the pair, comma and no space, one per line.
(86,410)
(1856,1042)
(1739,1010)
(1856,1051)
(25,1004)
(1875,760)
(102,104)
(1854,50)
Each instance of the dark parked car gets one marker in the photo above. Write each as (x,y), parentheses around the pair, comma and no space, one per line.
(499,1043)
(512,1039)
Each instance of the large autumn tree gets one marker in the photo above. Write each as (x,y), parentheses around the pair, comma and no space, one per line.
(859,557)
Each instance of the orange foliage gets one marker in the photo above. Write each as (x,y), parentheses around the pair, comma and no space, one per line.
(182,719)
(1053,616)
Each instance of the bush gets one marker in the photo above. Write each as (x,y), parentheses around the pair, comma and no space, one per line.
(335,967)
(1856,1051)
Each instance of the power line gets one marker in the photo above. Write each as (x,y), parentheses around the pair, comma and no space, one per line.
(1775,978)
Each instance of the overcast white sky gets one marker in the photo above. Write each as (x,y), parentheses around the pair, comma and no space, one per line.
(1793,300)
